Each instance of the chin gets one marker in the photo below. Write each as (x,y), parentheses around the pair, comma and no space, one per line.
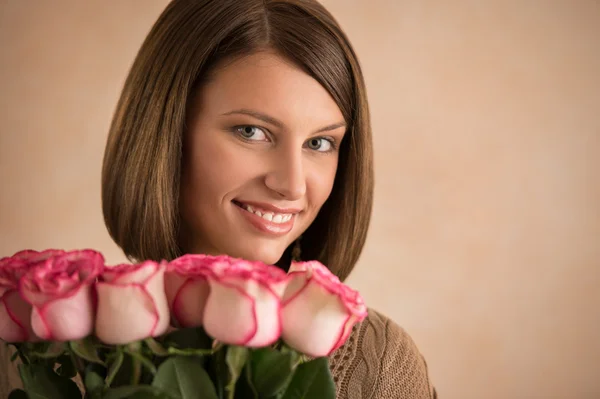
(268,255)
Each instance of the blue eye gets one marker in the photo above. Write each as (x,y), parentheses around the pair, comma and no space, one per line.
(251,133)
(320,144)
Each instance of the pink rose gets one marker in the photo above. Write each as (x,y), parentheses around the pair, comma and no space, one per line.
(318,310)
(244,303)
(132,304)
(60,290)
(186,286)
(15,312)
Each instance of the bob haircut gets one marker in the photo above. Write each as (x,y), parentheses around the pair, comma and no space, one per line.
(192,38)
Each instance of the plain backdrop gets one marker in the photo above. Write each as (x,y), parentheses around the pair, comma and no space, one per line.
(485,239)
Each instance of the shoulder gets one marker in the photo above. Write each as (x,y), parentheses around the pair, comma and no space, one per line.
(380,360)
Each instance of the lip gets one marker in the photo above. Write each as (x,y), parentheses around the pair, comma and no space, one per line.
(268,207)
(264,226)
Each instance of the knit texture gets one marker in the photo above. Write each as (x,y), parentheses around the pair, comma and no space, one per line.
(379,361)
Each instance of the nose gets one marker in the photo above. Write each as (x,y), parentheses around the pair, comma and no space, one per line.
(287,176)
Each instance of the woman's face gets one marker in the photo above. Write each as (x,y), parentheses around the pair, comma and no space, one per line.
(260,157)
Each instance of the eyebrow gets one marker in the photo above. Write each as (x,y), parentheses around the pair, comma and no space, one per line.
(276,122)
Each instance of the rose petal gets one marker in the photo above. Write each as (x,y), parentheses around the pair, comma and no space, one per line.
(15,325)
(346,331)
(229,315)
(132,303)
(173,282)
(139,273)
(267,308)
(31,294)
(32,256)
(65,319)
(188,305)
(155,287)
(125,313)
(297,282)
(313,320)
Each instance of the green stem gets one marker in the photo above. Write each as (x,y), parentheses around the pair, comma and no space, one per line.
(22,356)
(115,365)
(77,362)
(136,370)
(136,366)
(189,352)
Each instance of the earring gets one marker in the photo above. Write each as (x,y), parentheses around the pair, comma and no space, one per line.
(297,250)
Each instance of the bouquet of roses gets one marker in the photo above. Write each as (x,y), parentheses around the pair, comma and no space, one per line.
(196,327)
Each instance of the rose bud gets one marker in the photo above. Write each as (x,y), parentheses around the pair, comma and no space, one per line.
(187,288)
(60,291)
(15,312)
(132,304)
(244,304)
(318,311)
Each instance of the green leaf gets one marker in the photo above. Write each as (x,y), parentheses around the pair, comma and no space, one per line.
(41,382)
(18,394)
(85,349)
(47,350)
(135,392)
(236,360)
(94,377)
(183,377)
(311,380)
(114,367)
(156,347)
(271,370)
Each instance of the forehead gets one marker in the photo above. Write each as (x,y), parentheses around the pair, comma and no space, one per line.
(269,83)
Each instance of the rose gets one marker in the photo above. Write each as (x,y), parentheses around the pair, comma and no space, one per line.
(60,290)
(318,310)
(132,304)
(244,304)
(187,288)
(15,312)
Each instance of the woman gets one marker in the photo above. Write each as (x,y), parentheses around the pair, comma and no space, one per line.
(243,129)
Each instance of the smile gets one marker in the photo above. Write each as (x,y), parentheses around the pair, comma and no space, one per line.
(268,220)
(270,216)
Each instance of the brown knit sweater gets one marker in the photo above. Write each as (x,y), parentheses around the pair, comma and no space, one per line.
(379,361)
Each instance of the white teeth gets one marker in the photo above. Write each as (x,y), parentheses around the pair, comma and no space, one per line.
(270,216)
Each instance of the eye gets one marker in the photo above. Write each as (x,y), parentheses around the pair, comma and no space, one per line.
(251,133)
(320,144)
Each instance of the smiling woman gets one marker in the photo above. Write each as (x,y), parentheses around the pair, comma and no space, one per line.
(243,126)
(261,172)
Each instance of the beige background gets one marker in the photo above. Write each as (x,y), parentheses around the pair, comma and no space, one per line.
(485,242)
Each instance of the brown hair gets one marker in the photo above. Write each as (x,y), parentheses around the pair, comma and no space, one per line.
(142,161)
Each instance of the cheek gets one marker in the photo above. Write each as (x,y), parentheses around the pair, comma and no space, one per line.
(215,168)
(320,181)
